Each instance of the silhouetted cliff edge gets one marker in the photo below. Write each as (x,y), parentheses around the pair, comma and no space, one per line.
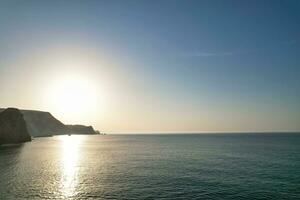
(41,124)
(13,127)
(81,129)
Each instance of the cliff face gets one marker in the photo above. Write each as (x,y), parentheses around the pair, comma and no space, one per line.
(40,124)
(80,129)
(13,127)
(43,123)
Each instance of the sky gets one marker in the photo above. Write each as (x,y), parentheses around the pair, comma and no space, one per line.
(154,66)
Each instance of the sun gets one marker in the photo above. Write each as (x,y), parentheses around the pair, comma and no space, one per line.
(74,97)
(75,94)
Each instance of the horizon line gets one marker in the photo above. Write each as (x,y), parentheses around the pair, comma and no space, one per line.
(197,132)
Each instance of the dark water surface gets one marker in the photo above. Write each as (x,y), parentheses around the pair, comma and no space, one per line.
(228,166)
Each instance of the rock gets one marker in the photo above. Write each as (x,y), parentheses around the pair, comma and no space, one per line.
(13,127)
(43,124)
(80,129)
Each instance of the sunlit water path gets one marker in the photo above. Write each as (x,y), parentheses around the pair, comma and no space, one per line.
(70,164)
(231,166)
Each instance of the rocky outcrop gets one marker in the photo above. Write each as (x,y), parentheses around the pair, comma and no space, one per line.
(13,127)
(80,129)
(41,124)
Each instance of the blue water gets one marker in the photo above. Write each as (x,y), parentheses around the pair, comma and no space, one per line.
(209,166)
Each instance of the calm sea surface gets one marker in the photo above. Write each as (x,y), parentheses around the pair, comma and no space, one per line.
(215,166)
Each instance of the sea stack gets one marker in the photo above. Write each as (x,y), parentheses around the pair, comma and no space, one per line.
(13,127)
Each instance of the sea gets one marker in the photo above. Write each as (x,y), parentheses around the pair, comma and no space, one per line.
(153,166)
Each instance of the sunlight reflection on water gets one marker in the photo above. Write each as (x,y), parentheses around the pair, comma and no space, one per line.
(225,166)
(70,163)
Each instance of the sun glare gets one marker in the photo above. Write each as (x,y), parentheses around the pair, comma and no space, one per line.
(75,93)
(75,97)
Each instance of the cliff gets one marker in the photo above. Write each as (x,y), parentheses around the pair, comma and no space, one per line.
(41,124)
(80,129)
(13,127)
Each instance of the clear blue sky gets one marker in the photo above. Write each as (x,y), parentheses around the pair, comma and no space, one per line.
(168,65)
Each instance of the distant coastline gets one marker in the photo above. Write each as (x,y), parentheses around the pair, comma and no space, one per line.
(37,124)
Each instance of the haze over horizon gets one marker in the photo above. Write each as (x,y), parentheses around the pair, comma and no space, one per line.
(154,66)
